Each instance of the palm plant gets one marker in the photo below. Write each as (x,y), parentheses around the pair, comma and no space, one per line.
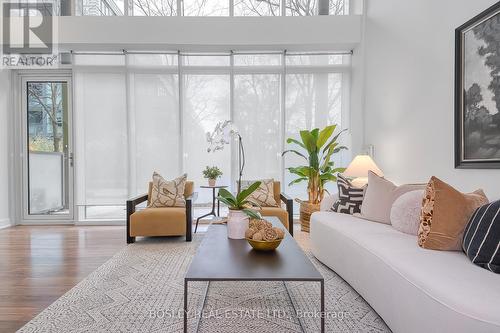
(240,202)
(318,148)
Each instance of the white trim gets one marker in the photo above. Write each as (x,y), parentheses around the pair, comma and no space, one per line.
(102,222)
(21,138)
(5,223)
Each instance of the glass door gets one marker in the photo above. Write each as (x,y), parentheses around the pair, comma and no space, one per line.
(48,155)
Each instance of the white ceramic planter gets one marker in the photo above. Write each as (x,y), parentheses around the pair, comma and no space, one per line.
(237,224)
(211,182)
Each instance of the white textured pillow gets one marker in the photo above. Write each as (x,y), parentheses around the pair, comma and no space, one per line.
(380,195)
(405,212)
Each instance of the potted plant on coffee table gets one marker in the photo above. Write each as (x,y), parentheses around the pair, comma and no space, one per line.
(316,148)
(240,210)
(212,173)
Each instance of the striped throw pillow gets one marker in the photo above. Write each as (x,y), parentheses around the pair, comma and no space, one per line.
(350,197)
(481,241)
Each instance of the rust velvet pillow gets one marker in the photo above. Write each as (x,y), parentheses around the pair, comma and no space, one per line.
(444,216)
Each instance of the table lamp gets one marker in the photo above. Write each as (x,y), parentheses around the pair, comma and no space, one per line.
(358,169)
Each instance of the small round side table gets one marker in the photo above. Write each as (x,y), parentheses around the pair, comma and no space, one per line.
(214,188)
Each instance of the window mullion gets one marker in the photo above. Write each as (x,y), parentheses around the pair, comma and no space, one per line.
(180,82)
(234,151)
(179,8)
(283,117)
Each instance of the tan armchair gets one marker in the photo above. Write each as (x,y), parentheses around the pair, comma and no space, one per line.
(167,221)
(285,215)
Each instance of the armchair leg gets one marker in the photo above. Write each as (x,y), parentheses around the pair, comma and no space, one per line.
(289,208)
(189,220)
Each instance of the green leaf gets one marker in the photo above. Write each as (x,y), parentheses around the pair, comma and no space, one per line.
(303,171)
(328,176)
(339,149)
(298,180)
(295,152)
(324,135)
(326,159)
(308,140)
(252,213)
(290,140)
(315,133)
(227,201)
(334,139)
(246,192)
(226,194)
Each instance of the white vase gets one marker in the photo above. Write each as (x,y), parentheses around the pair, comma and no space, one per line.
(237,224)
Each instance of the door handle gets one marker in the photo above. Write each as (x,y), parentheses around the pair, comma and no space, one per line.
(70,158)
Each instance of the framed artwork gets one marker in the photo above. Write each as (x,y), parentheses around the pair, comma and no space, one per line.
(477,91)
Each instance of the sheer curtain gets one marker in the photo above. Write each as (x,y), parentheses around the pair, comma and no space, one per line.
(155,117)
(100,115)
(139,113)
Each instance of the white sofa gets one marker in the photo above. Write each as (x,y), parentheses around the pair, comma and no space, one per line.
(412,289)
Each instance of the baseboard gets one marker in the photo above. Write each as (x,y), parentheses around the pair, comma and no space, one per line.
(5,223)
(100,222)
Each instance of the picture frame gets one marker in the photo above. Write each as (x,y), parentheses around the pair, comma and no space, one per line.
(477,91)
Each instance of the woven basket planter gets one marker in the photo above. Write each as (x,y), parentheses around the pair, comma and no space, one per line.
(306,209)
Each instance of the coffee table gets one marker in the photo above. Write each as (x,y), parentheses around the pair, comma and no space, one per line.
(221,259)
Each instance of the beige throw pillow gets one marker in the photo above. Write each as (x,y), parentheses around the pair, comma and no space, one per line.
(168,193)
(264,195)
(380,195)
(444,216)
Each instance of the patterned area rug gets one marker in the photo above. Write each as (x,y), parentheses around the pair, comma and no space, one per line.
(140,289)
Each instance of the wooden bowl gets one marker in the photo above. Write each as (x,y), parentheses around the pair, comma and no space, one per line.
(264,245)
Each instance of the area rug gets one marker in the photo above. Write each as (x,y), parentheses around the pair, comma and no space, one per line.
(140,289)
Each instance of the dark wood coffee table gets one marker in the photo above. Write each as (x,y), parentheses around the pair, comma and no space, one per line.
(221,259)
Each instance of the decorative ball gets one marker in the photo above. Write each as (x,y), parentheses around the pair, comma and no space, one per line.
(279,232)
(270,234)
(250,232)
(257,236)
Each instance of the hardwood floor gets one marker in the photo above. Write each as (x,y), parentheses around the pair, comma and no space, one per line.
(39,264)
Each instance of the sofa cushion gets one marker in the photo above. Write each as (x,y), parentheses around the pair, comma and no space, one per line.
(350,197)
(167,193)
(405,212)
(413,289)
(445,213)
(481,240)
(169,221)
(380,195)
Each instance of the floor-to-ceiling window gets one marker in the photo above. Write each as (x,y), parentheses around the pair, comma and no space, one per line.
(138,113)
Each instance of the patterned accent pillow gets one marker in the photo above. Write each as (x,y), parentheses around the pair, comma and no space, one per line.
(168,193)
(481,241)
(444,216)
(350,197)
(264,195)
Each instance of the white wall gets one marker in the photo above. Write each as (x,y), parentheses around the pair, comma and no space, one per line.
(409,108)
(4,147)
(91,33)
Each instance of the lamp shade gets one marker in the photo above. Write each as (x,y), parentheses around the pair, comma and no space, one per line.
(360,166)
